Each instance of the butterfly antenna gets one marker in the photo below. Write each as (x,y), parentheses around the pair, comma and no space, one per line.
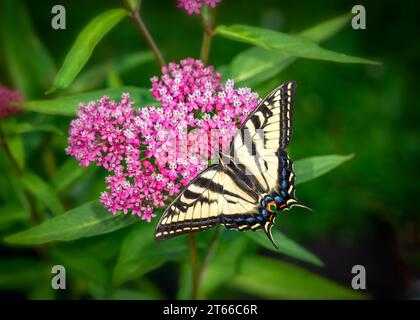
(300,204)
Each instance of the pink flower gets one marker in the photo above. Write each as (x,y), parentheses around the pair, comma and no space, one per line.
(7,98)
(194,6)
(151,152)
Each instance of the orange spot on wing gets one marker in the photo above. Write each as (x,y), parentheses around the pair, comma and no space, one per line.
(267,206)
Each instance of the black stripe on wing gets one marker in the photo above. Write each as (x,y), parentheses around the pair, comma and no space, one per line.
(284,94)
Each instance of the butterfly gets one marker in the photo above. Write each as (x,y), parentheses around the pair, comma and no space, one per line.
(250,184)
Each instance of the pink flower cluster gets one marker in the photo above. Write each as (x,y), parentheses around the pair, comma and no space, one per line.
(194,6)
(7,98)
(154,151)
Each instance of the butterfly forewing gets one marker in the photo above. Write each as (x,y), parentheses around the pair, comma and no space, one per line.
(267,130)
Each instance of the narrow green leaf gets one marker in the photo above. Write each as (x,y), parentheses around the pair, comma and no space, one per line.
(84,45)
(10,186)
(68,173)
(255,64)
(133,4)
(29,63)
(19,128)
(326,29)
(68,105)
(88,220)
(286,246)
(313,167)
(129,294)
(11,213)
(224,264)
(273,279)
(292,46)
(17,149)
(94,76)
(185,282)
(140,253)
(113,79)
(42,191)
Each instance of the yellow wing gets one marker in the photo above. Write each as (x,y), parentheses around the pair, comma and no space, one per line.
(216,196)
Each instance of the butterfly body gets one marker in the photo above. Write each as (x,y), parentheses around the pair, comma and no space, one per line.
(250,184)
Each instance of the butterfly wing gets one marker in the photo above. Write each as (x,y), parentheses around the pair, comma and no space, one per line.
(215,196)
(257,148)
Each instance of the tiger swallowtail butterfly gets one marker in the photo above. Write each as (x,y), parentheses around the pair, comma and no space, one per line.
(250,184)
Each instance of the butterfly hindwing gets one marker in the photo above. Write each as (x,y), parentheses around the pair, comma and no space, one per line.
(213,197)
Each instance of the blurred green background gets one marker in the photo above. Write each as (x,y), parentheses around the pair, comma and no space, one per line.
(365,211)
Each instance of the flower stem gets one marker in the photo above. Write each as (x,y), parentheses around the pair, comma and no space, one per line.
(207,255)
(194,266)
(197,269)
(208,24)
(135,15)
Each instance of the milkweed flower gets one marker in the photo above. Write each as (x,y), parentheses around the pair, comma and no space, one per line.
(194,6)
(7,98)
(151,153)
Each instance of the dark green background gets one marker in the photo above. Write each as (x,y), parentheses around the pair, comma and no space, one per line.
(366,211)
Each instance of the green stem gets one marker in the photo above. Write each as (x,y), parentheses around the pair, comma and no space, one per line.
(194,266)
(135,15)
(207,255)
(198,269)
(208,24)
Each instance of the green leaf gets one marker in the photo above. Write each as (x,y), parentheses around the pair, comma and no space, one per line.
(11,213)
(42,191)
(22,273)
(285,245)
(68,105)
(185,282)
(133,4)
(113,79)
(256,64)
(10,186)
(19,128)
(288,45)
(84,45)
(17,149)
(129,294)
(94,76)
(326,29)
(30,65)
(68,173)
(88,220)
(313,167)
(224,264)
(272,279)
(140,253)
